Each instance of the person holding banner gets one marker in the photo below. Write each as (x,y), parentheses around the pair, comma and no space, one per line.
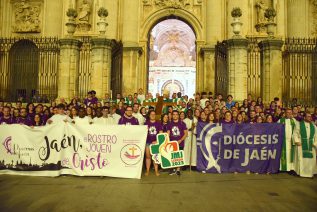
(116,117)
(82,118)
(305,137)
(105,118)
(23,119)
(6,118)
(288,147)
(177,131)
(154,127)
(127,118)
(59,116)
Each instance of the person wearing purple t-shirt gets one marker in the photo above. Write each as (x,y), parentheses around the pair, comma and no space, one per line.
(154,127)
(91,98)
(6,118)
(23,118)
(37,121)
(227,118)
(177,131)
(127,118)
(164,121)
(296,114)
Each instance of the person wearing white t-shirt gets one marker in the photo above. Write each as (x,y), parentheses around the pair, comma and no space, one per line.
(141,95)
(116,117)
(82,118)
(59,116)
(105,118)
(203,99)
(137,114)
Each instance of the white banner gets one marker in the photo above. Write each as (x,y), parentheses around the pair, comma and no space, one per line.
(83,150)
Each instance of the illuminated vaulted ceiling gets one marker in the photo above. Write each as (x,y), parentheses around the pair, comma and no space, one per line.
(172,44)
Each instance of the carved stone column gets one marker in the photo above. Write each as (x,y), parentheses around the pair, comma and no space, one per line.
(101,65)
(68,68)
(237,68)
(271,69)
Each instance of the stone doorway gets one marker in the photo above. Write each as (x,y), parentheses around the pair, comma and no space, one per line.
(24,70)
(172,57)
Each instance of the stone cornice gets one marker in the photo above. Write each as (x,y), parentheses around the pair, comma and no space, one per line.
(133,48)
(102,42)
(207,49)
(237,43)
(70,42)
(271,44)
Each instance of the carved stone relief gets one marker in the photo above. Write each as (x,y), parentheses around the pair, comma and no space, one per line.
(26,16)
(193,6)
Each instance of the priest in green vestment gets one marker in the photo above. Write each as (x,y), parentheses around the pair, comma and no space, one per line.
(305,136)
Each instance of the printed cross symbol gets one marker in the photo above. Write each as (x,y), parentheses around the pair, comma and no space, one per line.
(133,149)
(155,147)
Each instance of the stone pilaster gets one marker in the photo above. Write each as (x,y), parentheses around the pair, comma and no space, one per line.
(68,68)
(271,69)
(132,77)
(101,65)
(237,68)
(209,78)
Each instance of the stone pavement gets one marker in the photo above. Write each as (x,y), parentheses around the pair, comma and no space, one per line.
(192,191)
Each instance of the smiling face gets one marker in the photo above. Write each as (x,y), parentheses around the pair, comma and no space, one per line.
(37,118)
(308,117)
(203,116)
(288,113)
(128,111)
(269,119)
(6,111)
(211,117)
(152,115)
(165,118)
(175,116)
(182,116)
(228,116)
(105,112)
(23,112)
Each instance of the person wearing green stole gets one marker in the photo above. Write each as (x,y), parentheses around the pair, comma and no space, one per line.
(288,147)
(118,98)
(129,100)
(305,137)
(147,99)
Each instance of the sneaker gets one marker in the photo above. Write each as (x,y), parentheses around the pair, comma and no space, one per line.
(178,173)
(173,172)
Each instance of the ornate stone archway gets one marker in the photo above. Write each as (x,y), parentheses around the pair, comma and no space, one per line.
(151,20)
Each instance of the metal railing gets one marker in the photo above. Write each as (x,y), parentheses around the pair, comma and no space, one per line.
(299,70)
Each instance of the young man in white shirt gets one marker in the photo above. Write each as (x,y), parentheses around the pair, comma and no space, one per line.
(105,118)
(116,117)
(59,116)
(82,118)
(137,114)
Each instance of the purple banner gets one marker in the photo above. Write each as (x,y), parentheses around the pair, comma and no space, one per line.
(239,147)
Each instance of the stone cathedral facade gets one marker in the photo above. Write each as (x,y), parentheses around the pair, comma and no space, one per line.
(63,48)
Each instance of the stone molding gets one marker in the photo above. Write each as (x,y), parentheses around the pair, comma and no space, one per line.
(271,44)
